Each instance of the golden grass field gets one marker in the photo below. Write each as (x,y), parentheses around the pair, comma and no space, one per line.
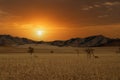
(63,64)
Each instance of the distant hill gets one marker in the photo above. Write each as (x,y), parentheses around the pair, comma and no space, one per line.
(97,40)
(112,42)
(92,41)
(7,40)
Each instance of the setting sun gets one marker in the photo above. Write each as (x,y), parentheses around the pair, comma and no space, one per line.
(40,32)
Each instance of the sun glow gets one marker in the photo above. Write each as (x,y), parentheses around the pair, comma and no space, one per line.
(40,32)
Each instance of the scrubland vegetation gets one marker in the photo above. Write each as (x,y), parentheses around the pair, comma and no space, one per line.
(59,67)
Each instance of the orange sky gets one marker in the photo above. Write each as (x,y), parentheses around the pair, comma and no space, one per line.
(60,19)
(59,33)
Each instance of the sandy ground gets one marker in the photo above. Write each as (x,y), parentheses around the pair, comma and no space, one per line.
(55,49)
(63,64)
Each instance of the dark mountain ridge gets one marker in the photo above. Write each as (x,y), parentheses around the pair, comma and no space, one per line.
(7,40)
(92,41)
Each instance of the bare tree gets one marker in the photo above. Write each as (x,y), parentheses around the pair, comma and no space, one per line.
(90,52)
(51,51)
(30,50)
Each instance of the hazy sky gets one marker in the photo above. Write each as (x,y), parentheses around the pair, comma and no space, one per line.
(60,19)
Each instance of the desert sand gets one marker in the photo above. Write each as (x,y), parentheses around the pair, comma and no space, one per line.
(63,64)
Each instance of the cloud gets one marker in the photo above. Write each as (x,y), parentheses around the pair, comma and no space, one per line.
(103,16)
(3,15)
(96,5)
(65,12)
(101,5)
(6,17)
(87,8)
(111,3)
(2,12)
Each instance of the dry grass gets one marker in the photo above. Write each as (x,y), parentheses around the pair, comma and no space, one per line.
(59,67)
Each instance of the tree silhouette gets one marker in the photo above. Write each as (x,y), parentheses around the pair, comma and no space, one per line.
(31,50)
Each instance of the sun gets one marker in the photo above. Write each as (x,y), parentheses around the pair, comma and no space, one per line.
(40,32)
